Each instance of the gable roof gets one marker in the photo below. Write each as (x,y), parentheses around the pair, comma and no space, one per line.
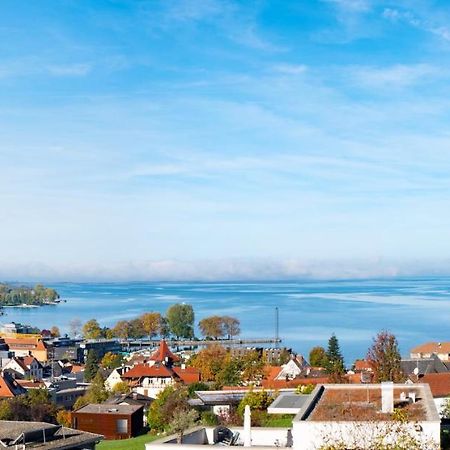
(144,370)
(188,375)
(424,365)
(9,387)
(432,347)
(163,352)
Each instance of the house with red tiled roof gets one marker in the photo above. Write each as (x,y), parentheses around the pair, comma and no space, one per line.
(9,387)
(163,355)
(439,385)
(150,380)
(24,367)
(26,346)
(278,378)
(441,349)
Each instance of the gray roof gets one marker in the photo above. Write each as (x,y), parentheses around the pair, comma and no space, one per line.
(105,408)
(220,397)
(57,437)
(288,404)
(132,398)
(425,365)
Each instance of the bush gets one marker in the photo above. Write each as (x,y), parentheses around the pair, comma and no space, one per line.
(209,419)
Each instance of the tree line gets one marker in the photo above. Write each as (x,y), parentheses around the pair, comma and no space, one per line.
(178,322)
(383,357)
(20,295)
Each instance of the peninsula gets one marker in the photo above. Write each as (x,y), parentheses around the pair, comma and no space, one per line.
(38,295)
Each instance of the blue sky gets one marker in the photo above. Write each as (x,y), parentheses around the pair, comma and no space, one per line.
(224,139)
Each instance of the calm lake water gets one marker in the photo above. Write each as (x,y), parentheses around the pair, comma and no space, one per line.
(416,310)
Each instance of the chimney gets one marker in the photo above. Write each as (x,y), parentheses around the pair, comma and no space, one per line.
(387,397)
(183,366)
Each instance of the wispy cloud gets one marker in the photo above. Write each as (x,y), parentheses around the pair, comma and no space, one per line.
(442,31)
(396,76)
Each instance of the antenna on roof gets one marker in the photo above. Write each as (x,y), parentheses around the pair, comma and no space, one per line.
(277,326)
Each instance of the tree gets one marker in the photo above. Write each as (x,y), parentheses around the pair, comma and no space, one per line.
(75,326)
(122,329)
(318,357)
(181,421)
(253,367)
(92,330)
(54,330)
(136,329)
(231,326)
(95,394)
(164,330)
(212,326)
(257,400)
(156,418)
(111,360)
(121,388)
(335,366)
(180,318)
(64,418)
(384,357)
(151,323)
(210,361)
(91,366)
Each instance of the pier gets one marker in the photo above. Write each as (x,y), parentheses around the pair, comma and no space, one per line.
(149,343)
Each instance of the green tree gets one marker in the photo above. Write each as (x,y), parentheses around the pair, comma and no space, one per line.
(335,366)
(257,400)
(156,418)
(92,330)
(91,366)
(180,318)
(111,360)
(253,367)
(181,421)
(121,388)
(384,357)
(318,357)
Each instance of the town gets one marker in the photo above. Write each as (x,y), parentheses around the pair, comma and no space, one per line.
(91,388)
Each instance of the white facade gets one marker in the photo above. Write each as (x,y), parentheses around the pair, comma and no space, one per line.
(152,386)
(312,434)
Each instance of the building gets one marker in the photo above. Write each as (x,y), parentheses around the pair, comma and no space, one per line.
(24,367)
(132,398)
(100,346)
(150,380)
(113,421)
(115,377)
(27,345)
(9,387)
(441,349)
(65,391)
(15,328)
(421,366)
(44,436)
(64,348)
(354,416)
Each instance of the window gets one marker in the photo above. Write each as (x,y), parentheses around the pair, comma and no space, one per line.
(122,425)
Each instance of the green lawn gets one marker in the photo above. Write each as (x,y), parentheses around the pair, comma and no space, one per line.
(136,443)
(283,421)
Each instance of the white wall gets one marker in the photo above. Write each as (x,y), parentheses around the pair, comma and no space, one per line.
(310,435)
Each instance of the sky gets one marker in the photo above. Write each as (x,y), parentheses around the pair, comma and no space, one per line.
(212,139)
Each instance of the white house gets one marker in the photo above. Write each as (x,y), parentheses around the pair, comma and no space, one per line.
(115,377)
(24,367)
(355,415)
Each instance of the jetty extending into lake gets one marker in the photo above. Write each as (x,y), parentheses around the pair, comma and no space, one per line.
(143,343)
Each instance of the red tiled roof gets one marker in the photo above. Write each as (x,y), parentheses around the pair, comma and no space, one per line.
(9,387)
(77,368)
(30,384)
(362,364)
(188,375)
(144,370)
(272,372)
(432,347)
(163,352)
(25,343)
(439,383)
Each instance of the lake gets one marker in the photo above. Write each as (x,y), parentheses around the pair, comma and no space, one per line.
(414,309)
